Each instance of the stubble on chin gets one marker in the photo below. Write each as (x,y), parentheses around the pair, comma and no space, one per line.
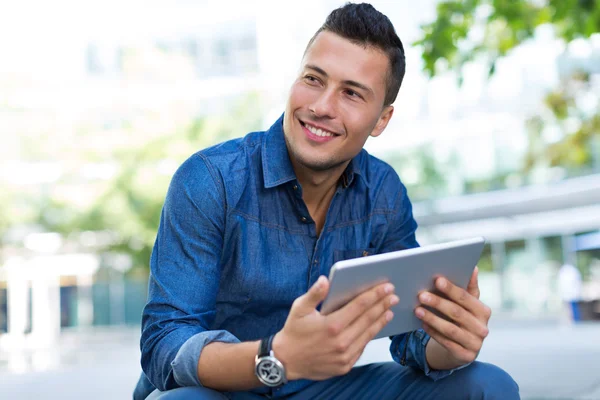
(315,165)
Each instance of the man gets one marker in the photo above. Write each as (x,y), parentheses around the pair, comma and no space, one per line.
(250,228)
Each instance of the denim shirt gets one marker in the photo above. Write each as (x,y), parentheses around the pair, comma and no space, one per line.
(236,246)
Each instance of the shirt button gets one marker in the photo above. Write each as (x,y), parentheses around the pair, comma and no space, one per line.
(303,219)
(295,187)
(316,262)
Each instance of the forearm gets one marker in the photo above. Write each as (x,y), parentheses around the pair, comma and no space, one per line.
(438,358)
(228,366)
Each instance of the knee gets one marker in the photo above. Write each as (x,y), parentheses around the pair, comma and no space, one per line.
(487,381)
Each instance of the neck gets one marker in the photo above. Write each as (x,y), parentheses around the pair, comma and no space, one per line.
(318,186)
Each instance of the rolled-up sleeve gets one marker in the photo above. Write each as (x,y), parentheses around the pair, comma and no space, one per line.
(184,277)
(185,364)
(409,348)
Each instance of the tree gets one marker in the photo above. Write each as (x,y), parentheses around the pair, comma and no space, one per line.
(468,29)
(567,136)
(485,30)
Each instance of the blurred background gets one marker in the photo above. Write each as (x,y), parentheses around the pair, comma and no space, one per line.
(496,132)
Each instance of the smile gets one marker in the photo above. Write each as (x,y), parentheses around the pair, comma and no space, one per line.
(317,131)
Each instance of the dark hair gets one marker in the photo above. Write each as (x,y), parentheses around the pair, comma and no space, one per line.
(364,25)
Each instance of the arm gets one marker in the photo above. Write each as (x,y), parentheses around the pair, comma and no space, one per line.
(184,278)
(310,345)
(227,366)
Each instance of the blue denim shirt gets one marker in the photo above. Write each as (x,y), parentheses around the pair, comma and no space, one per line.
(236,246)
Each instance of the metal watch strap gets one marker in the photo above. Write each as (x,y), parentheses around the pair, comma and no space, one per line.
(265,346)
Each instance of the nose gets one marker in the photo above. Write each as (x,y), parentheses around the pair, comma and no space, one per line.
(324,105)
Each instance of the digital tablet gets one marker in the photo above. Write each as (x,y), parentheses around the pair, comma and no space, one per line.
(410,271)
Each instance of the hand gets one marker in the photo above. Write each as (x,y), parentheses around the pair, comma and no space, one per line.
(463,336)
(315,346)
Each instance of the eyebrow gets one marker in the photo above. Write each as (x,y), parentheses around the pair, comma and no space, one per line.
(346,82)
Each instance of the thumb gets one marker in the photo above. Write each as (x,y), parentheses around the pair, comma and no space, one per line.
(308,302)
(473,286)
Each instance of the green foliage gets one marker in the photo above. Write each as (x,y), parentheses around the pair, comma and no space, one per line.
(489,29)
(578,127)
(485,30)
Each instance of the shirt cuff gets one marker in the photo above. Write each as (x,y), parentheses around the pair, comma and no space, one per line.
(409,350)
(185,364)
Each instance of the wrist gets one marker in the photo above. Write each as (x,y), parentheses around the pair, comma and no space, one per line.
(438,357)
(279,346)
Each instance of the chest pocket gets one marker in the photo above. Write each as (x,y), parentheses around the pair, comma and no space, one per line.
(339,255)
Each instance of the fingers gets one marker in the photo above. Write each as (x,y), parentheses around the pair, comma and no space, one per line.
(463,335)
(371,321)
(308,302)
(463,298)
(450,330)
(343,317)
(473,286)
(456,313)
(460,353)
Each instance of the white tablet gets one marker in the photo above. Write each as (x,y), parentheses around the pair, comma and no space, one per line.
(410,271)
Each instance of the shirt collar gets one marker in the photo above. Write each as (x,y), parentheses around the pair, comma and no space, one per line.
(355,167)
(277,167)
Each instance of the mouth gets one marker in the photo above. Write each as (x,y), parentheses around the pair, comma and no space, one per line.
(317,133)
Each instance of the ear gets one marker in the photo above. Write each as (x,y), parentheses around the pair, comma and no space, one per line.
(383,120)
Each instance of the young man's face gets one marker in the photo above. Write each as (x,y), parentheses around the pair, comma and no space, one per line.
(336,102)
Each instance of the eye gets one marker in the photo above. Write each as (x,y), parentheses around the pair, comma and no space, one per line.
(353,93)
(311,80)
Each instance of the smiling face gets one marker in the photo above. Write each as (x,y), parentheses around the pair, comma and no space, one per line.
(336,103)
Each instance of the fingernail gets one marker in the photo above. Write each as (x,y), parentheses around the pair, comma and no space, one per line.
(419,312)
(442,283)
(425,298)
(320,282)
(394,300)
(389,315)
(389,288)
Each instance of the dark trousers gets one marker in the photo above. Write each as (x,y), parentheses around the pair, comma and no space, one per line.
(382,381)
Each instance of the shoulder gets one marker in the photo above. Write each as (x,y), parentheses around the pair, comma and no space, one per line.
(232,148)
(217,160)
(233,151)
(221,172)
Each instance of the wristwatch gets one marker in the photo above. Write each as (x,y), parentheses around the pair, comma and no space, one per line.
(269,370)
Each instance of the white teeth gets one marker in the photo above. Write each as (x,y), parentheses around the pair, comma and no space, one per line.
(318,132)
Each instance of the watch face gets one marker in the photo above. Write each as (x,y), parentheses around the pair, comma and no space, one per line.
(270,371)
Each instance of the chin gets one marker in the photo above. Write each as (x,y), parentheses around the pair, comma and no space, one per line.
(318,165)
